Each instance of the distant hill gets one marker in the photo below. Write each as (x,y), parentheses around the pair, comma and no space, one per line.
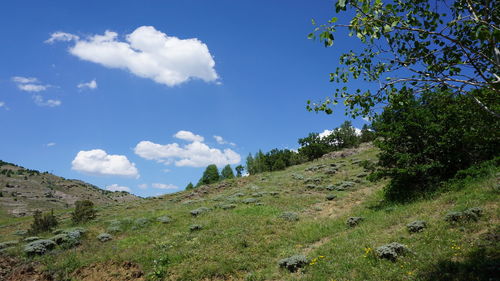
(23,190)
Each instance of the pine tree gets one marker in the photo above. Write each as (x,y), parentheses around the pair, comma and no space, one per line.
(190,186)
(210,175)
(227,172)
(239,170)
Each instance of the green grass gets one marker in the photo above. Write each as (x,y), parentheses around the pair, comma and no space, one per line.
(245,243)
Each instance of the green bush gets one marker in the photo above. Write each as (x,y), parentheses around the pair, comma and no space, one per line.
(391,251)
(39,247)
(42,223)
(293,263)
(84,211)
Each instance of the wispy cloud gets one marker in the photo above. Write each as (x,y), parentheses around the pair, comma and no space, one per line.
(116,187)
(51,144)
(164,186)
(221,140)
(89,85)
(40,101)
(29,84)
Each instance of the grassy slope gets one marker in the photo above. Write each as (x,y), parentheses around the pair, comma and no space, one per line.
(246,243)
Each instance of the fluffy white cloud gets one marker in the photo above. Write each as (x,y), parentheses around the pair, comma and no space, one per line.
(147,53)
(194,154)
(221,140)
(90,85)
(115,187)
(61,36)
(188,136)
(98,162)
(40,101)
(164,186)
(326,133)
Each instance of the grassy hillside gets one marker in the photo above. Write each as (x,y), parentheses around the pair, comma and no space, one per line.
(251,223)
(23,191)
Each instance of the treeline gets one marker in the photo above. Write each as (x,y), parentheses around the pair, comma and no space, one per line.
(311,147)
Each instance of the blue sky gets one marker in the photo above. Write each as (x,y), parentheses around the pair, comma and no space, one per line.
(122,94)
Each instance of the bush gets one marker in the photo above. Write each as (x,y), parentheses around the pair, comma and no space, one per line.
(228,206)
(199,211)
(104,237)
(471,214)
(164,219)
(195,227)
(426,139)
(39,247)
(416,226)
(354,221)
(289,216)
(84,211)
(250,200)
(42,223)
(293,263)
(8,244)
(391,251)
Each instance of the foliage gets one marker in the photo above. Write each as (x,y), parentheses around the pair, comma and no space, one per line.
(84,211)
(227,173)
(239,170)
(420,45)
(391,251)
(210,175)
(42,223)
(190,186)
(293,263)
(39,247)
(428,138)
(416,226)
(104,237)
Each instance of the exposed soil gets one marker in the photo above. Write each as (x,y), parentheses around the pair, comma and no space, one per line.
(109,271)
(13,269)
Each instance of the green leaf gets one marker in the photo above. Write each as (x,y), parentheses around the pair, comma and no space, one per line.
(333,20)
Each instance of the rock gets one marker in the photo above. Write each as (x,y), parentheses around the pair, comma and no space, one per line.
(353,221)
(293,263)
(416,226)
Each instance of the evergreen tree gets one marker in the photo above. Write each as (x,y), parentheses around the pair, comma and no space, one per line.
(279,165)
(227,172)
(189,186)
(42,223)
(367,135)
(251,165)
(210,175)
(84,211)
(239,170)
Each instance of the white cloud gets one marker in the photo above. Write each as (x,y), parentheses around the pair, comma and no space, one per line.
(220,140)
(164,186)
(29,84)
(194,154)
(357,132)
(40,101)
(2,104)
(90,85)
(115,187)
(61,36)
(98,162)
(51,144)
(147,53)
(325,133)
(24,80)
(188,136)
(143,186)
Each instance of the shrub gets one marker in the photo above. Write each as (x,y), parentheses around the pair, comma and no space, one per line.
(42,223)
(293,263)
(471,214)
(31,239)
(228,206)
(289,216)
(250,200)
(354,221)
(164,219)
(199,211)
(84,211)
(39,247)
(8,244)
(195,227)
(104,237)
(391,251)
(416,226)
(330,197)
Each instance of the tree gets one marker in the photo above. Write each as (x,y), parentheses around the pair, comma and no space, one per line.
(227,172)
(313,146)
(42,223)
(210,175)
(84,211)
(189,186)
(251,164)
(429,138)
(417,45)
(239,170)
(367,134)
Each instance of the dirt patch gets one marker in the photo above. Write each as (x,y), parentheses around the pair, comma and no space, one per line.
(12,269)
(316,245)
(347,152)
(109,271)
